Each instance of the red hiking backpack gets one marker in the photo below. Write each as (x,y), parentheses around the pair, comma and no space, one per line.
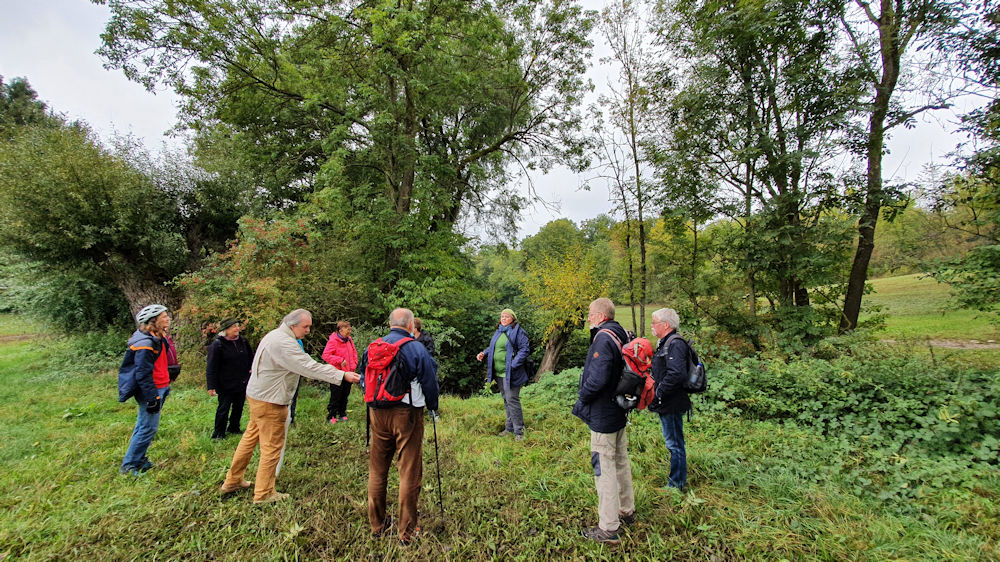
(636,389)
(385,382)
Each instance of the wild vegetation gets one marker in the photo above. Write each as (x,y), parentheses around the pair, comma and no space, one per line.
(805,459)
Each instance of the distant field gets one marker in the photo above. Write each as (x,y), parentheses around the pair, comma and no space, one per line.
(917,306)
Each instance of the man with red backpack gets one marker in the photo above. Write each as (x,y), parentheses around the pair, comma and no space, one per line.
(400,380)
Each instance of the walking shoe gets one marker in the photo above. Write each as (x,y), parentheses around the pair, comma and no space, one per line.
(218,436)
(504,433)
(333,420)
(407,540)
(275,497)
(343,419)
(230,488)
(236,431)
(385,527)
(627,518)
(519,437)
(146,465)
(600,535)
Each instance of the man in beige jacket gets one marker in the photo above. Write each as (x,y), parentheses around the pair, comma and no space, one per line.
(274,374)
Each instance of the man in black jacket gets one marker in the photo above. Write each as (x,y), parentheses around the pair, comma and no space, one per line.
(597,408)
(670,365)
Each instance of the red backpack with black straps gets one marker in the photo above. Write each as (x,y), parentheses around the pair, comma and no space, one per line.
(636,389)
(385,382)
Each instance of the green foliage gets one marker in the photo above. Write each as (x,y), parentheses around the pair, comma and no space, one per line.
(70,299)
(889,406)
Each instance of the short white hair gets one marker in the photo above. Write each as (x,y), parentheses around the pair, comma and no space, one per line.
(669,316)
(400,318)
(295,317)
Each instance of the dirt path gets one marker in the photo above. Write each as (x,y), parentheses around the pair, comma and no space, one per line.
(953,344)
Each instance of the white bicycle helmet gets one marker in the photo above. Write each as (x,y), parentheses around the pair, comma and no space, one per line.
(150,312)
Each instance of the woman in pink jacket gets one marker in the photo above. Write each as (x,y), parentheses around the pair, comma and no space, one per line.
(341,353)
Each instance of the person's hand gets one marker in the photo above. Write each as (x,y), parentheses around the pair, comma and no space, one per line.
(211,392)
(480,356)
(352,377)
(153,406)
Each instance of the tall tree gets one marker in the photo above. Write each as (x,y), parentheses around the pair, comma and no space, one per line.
(761,106)
(620,145)
(882,34)
(411,111)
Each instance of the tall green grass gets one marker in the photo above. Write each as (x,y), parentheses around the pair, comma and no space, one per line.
(758,490)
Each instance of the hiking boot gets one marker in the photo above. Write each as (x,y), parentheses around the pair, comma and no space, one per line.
(236,431)
(519,437)
(218,436)
(407,540)
(627,518)
(275,497)
(230,488)
(504,433)
(600,535)
(146,465)
(385,527)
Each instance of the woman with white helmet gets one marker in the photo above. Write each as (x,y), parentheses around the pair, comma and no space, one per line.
(144,375)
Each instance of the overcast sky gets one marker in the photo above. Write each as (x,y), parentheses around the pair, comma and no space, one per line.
(52,44)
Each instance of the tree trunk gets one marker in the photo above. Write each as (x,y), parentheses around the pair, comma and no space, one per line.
(553,348)
(890,50)
(141,293)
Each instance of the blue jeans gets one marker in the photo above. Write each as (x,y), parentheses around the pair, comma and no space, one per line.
(146,425)
(673,435)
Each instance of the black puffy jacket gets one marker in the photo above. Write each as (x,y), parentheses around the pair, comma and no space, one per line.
(669,371)
(601,373)
(228,365)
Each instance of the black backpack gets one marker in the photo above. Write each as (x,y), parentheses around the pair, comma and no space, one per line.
(696,381)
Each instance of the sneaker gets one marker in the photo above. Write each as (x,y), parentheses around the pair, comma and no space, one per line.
(504,433)
(385,527)
(275,497)
(333,420)
(146,465)
(627,518)
(519,437)
(218,436)
(407,540)
(230,488)
(600,535)
(343,419)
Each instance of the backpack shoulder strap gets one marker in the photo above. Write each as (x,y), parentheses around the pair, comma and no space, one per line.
(617,341)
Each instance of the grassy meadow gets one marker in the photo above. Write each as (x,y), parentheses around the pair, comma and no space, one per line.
(758,490)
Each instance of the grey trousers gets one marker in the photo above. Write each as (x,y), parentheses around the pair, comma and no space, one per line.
(512,407)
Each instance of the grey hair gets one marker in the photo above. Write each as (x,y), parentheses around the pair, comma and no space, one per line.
(295,317)
(669,316)
(400,318)
(605,307)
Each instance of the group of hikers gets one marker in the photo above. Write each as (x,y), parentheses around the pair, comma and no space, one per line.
(399,381)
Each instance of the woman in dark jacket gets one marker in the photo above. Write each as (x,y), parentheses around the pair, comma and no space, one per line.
(506,358)
(228,372)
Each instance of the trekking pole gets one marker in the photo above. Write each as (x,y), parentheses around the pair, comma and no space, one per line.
(437,462)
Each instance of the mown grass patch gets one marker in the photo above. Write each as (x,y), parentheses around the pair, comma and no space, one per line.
(917,306)
(759,489)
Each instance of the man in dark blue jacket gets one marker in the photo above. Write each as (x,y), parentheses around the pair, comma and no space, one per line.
(597,408)
(670,366)
(399,428)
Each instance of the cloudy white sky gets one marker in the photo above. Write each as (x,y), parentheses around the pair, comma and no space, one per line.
(52,44)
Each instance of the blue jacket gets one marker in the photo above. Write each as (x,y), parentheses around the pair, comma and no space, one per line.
(135,376)
(518,349)
(601,373)
(418,363)
(670,364)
